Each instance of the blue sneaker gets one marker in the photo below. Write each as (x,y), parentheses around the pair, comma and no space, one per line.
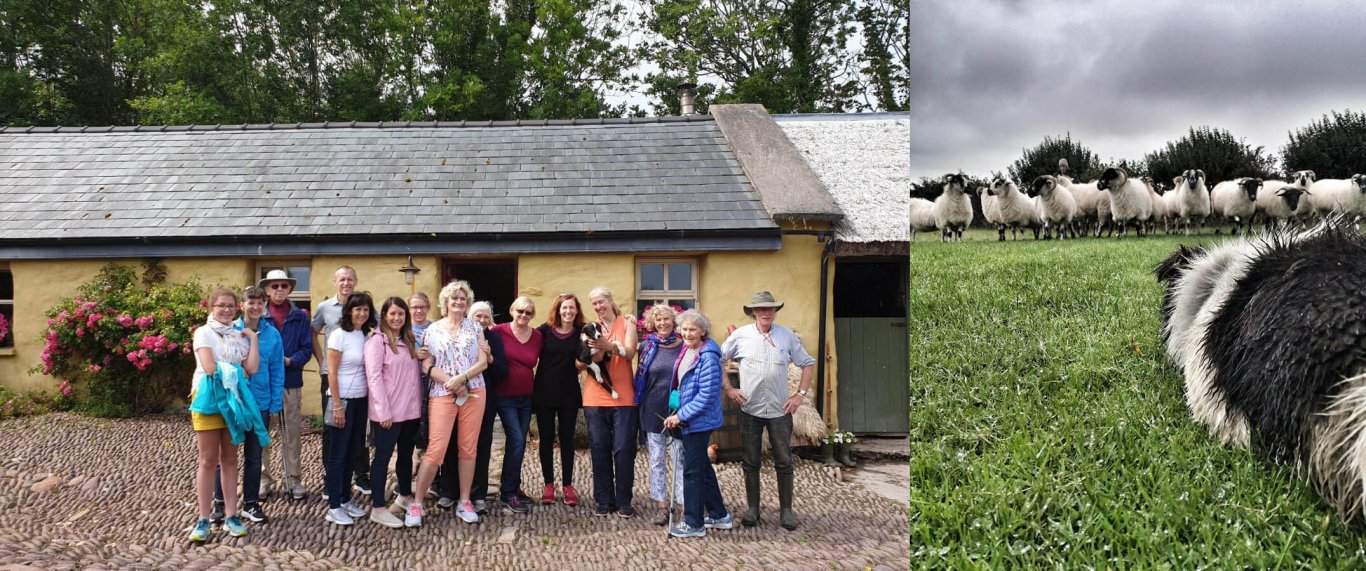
(234,526)
(682,529)
(723,523)
(200,533)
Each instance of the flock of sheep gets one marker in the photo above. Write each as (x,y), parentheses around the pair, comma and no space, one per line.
(1059,207)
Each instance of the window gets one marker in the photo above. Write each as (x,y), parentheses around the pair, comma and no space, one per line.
(7,305)
(672,281)
(300,270)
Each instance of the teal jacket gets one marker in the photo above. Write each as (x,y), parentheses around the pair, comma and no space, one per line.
(221,393)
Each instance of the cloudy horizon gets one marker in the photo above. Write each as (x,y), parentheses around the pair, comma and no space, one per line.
(990,78)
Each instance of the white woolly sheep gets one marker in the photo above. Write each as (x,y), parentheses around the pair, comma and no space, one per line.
(1192,200)
(1130,203)
(1161,213)
(1057,206)
(1344,196)
(1088,199)
(991,210)
(1283,206)
(953,208)
(1235,201)
(922,216)
(1017,210)
(1301,181)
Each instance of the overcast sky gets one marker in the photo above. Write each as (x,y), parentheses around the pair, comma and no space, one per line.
(989,78)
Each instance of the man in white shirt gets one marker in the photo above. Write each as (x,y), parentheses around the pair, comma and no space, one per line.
(326,319)
(763,351)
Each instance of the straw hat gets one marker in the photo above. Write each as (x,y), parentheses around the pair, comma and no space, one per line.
(277,276)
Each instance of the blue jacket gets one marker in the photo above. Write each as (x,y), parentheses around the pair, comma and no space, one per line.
(699,393)
(268,384)
(297,338)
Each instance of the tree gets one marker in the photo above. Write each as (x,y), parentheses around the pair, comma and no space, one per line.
(1043,159)
(1214,151)
(791,56)
(886,54)
(1333,147)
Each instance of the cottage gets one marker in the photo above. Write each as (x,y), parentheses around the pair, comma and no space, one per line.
(699,211)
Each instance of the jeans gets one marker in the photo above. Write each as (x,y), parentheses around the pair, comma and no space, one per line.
(701,492)
(344,441)
(612,447)
(480,486)
(360,457)
(515,412)
(400,434)
(779,440)
(566,419)
(251,469)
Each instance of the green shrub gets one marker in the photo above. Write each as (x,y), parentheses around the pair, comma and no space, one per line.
(122,346)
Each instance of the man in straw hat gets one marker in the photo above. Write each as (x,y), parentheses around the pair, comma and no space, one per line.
(763,351)
(297,335)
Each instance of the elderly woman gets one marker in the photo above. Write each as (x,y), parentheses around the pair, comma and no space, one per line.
(459,356)
(653,383)
(217,341)
(698,370)
(522,345)
(557,396)
(612,422)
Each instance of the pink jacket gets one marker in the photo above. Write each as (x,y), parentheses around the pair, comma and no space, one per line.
(394,381)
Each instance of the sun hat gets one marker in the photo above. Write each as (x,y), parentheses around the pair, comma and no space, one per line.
(277,276)
(761,299)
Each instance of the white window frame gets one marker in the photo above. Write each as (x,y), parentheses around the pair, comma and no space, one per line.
(298,296)
(671,293)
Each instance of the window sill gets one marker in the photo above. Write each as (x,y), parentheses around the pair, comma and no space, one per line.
(6,351)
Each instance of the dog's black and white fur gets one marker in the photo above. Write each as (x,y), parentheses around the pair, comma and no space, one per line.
(598,372)
(1270,334)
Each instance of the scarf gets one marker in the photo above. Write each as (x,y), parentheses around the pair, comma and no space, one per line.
(647,356)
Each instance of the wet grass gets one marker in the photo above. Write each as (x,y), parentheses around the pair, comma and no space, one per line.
(1048,429)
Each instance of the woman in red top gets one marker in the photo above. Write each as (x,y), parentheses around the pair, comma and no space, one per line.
(522,347)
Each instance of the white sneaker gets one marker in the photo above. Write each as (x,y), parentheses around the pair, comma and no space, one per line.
(386,518)
(339,517)
(353,510)
(413,518)
(465,511)
(402,503)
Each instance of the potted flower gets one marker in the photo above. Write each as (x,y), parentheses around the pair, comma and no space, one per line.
(828,445)
(843,447)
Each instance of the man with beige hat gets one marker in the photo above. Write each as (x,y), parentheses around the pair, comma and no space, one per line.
(763,351)
(297,337)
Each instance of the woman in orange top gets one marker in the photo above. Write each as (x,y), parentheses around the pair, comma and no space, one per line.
(612,422)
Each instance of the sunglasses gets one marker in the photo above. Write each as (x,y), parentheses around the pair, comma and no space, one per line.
(278,286)
(524,312)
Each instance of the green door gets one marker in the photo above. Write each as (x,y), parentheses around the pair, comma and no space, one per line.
(874,395)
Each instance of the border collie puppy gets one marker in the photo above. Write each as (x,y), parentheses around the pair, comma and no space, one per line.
(1270,335)
(598,372)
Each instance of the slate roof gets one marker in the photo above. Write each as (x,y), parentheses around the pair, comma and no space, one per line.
(547,181)
(864,161)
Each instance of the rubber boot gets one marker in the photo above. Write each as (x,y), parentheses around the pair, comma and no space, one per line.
(789,518)
(751,517)
(828,454)
(845,450)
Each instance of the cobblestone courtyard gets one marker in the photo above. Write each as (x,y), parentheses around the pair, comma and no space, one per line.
(80,493)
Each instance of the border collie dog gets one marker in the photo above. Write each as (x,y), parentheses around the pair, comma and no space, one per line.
(598,372)
(1270,335)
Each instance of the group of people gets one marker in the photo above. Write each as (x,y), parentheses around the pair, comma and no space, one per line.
(414,384)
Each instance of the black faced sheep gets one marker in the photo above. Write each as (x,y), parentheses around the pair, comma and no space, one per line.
(953,208)
(1130,203)
(1016,210)
(1236,201)
(1057,207)
(1192,200)
(1270,335)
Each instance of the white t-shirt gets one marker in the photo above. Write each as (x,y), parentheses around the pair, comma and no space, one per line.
(351,373)
(230,349)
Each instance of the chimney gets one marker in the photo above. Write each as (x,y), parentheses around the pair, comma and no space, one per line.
(687,93)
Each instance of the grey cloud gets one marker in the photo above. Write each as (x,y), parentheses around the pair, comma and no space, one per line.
(989,78)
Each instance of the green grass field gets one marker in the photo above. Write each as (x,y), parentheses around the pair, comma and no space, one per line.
(1049,430)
